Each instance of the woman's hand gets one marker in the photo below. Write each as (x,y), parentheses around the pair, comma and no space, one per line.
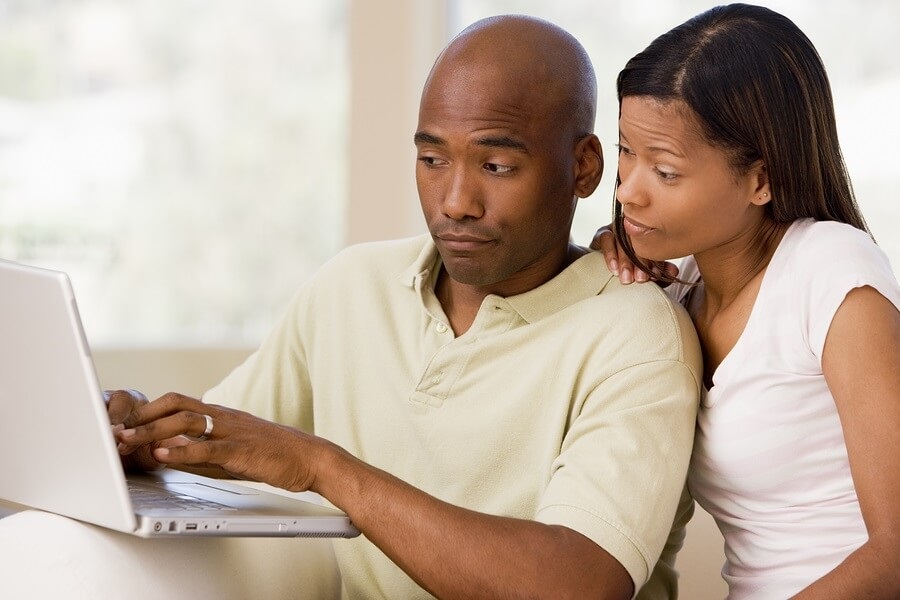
(243,445)
(621,265)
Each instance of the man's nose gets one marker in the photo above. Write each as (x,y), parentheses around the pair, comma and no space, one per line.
(464,197)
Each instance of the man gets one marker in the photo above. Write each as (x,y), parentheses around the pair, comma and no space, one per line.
(495,413)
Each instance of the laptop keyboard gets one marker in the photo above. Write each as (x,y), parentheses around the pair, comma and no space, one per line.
(148,497)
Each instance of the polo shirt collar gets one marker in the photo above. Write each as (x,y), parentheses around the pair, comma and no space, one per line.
(585,277)
(428,262)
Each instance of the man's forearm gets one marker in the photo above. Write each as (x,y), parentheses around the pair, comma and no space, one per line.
(454,552)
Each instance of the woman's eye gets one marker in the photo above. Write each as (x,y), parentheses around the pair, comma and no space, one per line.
(623,149)
(666,175)
(499,169)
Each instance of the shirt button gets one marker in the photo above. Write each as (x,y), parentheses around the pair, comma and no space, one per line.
(440,328)
(437,378)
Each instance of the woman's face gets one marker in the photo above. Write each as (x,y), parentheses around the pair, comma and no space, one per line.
(679,194)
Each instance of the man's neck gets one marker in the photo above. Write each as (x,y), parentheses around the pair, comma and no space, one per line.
(461,301)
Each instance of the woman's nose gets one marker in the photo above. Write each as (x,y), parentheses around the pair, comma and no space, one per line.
(629,189)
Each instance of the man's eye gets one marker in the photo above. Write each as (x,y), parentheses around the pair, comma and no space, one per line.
(429,161)
(499,169)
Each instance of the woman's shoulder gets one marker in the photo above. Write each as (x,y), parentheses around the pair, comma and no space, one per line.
(823,260)
(817,240)
(827,250)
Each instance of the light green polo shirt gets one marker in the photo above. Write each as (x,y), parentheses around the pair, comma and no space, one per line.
(571,404)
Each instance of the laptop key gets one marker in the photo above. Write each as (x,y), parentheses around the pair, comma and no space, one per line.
(157,498)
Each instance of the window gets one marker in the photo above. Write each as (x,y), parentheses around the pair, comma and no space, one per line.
(181,160)
(188,162)
(857,43)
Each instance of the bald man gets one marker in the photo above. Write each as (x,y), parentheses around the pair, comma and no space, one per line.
(496,413)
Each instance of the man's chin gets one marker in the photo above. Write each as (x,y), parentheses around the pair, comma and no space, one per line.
(468,272)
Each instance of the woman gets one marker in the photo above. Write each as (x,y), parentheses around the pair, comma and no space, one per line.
(729,155)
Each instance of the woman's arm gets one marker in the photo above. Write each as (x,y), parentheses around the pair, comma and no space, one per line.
(860,362)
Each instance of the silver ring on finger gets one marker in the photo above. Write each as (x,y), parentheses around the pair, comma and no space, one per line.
(206,432)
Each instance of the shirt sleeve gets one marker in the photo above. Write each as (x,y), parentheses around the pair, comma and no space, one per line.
(622,468)
(831,260)
(274,383)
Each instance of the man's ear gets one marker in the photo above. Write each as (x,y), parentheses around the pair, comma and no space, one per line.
(759,178)
(588,165)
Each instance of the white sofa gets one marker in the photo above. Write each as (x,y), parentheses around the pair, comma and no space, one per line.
(44,556)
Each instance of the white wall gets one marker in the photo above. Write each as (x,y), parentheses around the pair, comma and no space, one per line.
(393,44)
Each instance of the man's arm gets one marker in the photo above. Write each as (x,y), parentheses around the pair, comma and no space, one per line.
(454,552)
(450,551)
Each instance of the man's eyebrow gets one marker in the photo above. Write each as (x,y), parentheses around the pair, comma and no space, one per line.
(503,141)
(498,141)
(426,138)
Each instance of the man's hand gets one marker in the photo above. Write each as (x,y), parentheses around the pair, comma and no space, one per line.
(622,266)
(244,446)
(120,404)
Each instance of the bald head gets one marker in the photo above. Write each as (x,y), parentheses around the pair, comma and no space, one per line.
(527,62)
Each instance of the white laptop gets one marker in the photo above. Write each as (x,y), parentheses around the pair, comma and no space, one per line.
(57,451)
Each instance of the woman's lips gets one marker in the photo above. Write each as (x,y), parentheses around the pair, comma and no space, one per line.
(633,227)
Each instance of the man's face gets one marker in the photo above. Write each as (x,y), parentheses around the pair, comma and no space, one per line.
(495,179)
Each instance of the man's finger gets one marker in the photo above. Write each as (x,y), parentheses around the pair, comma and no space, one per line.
(121,403)
(180,423)
(197,453)
(165,405)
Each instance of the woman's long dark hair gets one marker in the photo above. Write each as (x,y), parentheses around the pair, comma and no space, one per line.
(759,90)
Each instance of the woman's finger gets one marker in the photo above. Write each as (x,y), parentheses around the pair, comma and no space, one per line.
(605,242)
(671,269)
